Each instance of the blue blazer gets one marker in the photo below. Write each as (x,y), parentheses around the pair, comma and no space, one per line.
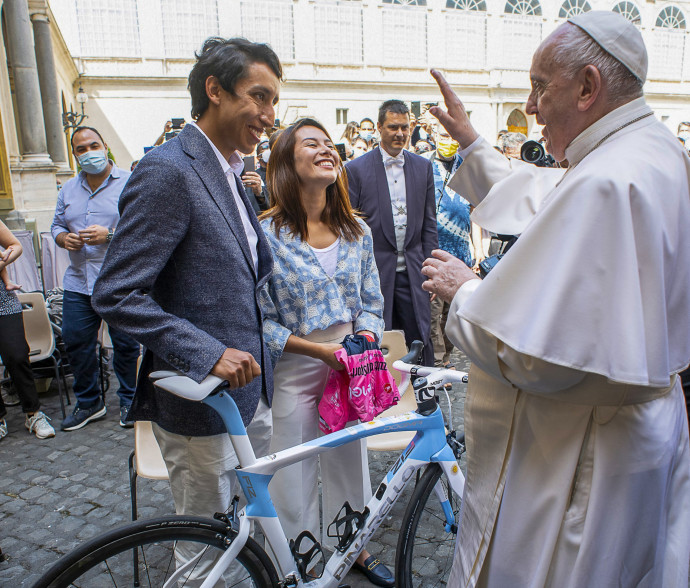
(369,194)
(179,278)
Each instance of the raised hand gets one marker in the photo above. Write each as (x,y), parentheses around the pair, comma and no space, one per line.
(454,119)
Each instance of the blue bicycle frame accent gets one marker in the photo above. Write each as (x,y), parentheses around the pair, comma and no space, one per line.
(255,487)
(228,411)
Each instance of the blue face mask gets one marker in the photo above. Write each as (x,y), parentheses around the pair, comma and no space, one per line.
(367,135)
(93,162)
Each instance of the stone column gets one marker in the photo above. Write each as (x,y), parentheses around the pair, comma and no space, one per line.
(26,86)
(47,78)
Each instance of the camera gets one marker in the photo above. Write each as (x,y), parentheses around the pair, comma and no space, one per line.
(534,152)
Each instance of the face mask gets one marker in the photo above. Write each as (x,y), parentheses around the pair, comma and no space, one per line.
(265,155)
(367,135)
(358,151)
(447,148)
(93,162)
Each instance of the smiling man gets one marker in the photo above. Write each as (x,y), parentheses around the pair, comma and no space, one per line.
(184,270)
(577,438)
(394,190)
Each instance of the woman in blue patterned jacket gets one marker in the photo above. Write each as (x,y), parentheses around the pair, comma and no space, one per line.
(324,286)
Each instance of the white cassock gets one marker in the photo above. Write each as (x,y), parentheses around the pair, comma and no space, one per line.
(578,471)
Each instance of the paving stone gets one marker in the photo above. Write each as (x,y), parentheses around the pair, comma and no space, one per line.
(33,492)
(26,475)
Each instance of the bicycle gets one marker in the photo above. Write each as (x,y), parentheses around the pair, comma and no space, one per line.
(144,551)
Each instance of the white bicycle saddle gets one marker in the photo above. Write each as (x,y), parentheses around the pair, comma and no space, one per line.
(185,387)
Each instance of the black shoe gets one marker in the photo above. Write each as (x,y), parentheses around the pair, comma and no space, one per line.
(124,422)
(376,572)
(82,416)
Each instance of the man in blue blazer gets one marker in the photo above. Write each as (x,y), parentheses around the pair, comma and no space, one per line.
(394,190)
(185,266)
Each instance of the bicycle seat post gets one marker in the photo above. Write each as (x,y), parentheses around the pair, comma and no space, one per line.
(223,403)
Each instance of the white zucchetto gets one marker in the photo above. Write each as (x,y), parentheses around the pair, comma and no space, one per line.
(616,35)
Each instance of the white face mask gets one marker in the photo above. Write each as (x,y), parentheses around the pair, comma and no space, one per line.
(265,155)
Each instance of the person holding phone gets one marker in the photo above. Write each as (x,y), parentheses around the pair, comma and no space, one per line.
(254,185)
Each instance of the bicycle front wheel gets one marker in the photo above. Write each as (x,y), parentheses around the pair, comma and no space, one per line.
(425,548)
(144,554)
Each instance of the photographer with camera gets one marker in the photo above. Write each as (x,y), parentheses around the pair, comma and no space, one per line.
(578,457)
(171,129)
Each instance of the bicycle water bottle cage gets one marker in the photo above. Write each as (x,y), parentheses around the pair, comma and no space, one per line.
(425,397)
(308,556)
(345,526)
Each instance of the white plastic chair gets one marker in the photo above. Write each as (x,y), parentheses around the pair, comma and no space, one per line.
(41,340)
(146,461)
(393,347)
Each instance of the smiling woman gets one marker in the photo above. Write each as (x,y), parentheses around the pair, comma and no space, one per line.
(324,286)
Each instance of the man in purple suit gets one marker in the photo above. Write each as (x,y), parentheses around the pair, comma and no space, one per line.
(394,190)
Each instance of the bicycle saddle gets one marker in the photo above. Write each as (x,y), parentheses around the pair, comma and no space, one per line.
(186,387)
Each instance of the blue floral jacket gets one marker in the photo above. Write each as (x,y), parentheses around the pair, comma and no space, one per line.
(300,297)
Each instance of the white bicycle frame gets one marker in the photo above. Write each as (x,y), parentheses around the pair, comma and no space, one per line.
(428,446)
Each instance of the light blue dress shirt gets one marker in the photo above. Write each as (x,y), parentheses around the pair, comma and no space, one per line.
(301,297)
(77,208)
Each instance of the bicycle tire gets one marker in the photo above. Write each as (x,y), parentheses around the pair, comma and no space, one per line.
(154,541)
(424,556)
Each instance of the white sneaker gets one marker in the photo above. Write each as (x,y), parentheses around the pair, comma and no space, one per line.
(38,424)
(3,429)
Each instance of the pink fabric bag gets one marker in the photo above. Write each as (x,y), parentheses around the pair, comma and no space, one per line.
(363,390)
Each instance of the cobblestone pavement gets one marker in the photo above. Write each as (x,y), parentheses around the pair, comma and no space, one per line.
(57,493)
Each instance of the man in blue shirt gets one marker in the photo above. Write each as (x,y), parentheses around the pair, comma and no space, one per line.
(85,219)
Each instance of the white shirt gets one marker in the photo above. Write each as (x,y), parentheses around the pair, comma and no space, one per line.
(395,175)
(328,257)
(231,168)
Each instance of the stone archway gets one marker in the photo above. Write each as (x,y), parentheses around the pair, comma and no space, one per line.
(517,122)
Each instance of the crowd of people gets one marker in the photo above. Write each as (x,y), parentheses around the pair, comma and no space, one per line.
(264,265)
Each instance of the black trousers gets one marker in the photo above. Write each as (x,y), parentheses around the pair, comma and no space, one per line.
(14,352)
(405,319)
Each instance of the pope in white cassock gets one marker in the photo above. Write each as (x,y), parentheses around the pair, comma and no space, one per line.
(578,471)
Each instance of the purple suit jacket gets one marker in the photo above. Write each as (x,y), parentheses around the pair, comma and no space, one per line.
(369,194)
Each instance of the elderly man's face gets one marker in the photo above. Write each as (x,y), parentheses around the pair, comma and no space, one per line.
(553,99)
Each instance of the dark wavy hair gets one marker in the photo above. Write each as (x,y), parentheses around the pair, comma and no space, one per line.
(229,61)
(286,202)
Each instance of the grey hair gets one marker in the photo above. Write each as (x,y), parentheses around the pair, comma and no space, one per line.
(511,140)
(576,49)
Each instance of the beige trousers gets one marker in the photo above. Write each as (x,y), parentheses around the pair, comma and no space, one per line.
(203,479)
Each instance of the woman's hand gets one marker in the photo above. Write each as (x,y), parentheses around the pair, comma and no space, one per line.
(327,355)
(321,351)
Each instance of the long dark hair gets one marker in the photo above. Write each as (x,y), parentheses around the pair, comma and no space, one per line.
(286,202)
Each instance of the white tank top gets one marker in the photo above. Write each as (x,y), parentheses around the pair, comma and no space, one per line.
(328,257)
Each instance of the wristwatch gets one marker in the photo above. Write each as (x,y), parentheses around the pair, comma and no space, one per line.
(109,236)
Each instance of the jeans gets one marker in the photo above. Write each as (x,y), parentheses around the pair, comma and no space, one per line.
(80,324)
